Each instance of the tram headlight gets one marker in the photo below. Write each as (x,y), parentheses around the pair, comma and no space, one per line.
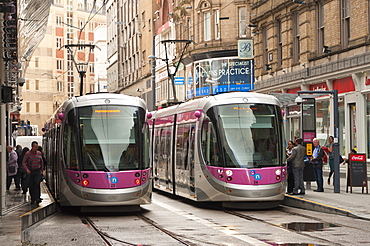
(85,182)
(278,172)
(137,181)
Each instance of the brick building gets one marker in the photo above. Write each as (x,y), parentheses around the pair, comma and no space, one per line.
(317,45)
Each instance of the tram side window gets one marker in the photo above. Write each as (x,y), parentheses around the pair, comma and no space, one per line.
(182,146)
(179,147)
(211,152)
(156,145)
(186,150)
(69,146)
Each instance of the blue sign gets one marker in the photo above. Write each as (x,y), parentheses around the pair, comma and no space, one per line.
(179,80)
(222,75)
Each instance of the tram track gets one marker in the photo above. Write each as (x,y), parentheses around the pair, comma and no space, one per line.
(108,238)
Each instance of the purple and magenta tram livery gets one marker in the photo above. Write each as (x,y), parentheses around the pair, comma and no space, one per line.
(97,152)
(225,148)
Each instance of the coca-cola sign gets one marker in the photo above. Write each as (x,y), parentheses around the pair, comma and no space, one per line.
(358,157)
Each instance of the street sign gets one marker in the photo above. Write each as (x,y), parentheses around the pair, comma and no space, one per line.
(179,80)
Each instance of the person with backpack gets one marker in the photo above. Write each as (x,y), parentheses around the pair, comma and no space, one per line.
(11,169)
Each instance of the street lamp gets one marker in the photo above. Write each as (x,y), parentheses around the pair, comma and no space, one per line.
(336,134)
(80,66)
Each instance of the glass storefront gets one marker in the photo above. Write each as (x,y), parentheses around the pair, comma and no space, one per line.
(368,123)
(323,124)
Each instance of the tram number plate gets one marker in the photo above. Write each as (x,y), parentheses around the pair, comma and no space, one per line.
(112,186)
(256,193)
(112,198)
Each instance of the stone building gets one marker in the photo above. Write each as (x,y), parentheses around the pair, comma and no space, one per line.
(317,45)
(51,76)
(204,33)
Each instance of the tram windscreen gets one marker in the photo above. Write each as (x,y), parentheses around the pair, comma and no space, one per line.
(248,136)
(110,137)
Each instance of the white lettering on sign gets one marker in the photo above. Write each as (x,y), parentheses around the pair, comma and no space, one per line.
(358,158)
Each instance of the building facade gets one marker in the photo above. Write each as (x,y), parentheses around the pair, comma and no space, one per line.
(203,34)
(112,46)
(317,46)
(51,76)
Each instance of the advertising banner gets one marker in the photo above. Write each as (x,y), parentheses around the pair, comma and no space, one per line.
(220,75)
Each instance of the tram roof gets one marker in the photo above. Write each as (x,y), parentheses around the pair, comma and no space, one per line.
(220,99)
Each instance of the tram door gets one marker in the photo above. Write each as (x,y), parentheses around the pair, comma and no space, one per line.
(353,125)
(191,162)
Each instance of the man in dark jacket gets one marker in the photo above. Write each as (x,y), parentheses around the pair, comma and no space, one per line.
(317,157)
(296,158)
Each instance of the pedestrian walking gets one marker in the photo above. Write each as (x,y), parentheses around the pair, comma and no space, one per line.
(297,159)
(18,150)
(317,161)
(23,176)
(12,168)
(34,166)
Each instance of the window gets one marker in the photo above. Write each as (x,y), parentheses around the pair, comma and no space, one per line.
(296,45)
(27,85)
(346,23)
(144,57)
(80,23)
(36,62)
(91,26)
(210,148)
(59,20)
(59,43)
(143,19)
(37,107)
(207,26)
(320,27)
(242,22)
(279,44)
(91,68)
(265,47)
(59,2)
(59,64)
(217,24)
(80,4)
(69,142)
(37,85)
(59,86)
(28,107)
